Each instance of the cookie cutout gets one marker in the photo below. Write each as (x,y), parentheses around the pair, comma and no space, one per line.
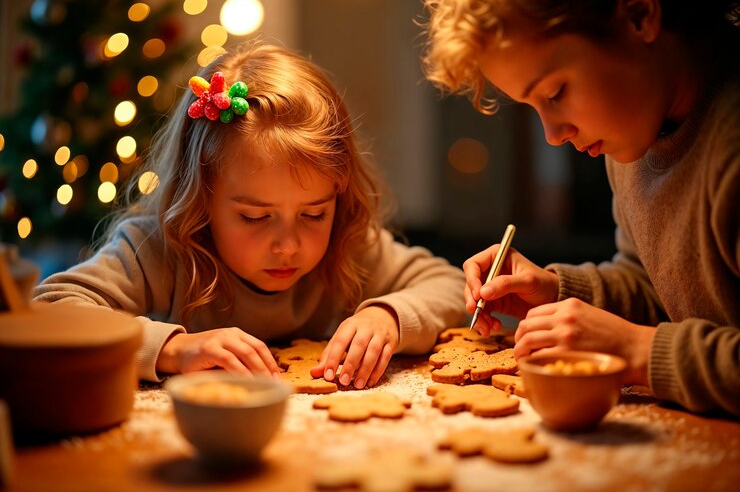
(455,365)
(394,470)
(356,408)
(509,383)
(507,446)
(297,361)
(472,341)
(480,400)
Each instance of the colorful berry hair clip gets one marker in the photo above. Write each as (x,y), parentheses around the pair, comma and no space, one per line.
(215,100)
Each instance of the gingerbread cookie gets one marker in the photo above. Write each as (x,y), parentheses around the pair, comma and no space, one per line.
(510,383)
(471,340)
(456,365)
(355,408)
(508,446)
(394,470)
(481,400)
(297,361)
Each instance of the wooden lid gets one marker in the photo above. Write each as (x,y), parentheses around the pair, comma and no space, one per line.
(65,326)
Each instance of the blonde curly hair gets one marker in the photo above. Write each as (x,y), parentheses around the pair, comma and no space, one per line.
(295,113)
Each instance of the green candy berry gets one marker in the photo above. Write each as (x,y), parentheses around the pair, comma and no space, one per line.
(226,115)
(239,89)
(239,105)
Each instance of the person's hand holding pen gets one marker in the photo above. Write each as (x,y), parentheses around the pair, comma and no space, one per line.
(519,286)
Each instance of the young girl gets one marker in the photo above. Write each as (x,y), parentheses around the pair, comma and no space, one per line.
(264,228)
(655,87)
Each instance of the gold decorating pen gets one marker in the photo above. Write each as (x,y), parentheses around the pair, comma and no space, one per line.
(495,267)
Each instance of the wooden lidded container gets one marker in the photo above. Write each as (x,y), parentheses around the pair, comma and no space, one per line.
(64,369)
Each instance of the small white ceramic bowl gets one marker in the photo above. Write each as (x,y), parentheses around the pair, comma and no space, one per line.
(228,417)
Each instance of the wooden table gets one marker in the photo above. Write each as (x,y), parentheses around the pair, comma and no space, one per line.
(641,445)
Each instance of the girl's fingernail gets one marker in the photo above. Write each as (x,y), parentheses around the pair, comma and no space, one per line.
(344,379)
(328,374)
(359,384)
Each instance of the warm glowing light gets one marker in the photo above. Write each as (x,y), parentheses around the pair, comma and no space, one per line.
(147,86)
(109,172)
(128,159)
(468,156)
(2,142)
(24,227)
(64,194)
(153,48)
(106,192)
(82,165)
(138,12)
(148,182)
(69,173)
(241,17)
(124,113)
(62,155)
(116,44)
(208,54)
(214,35)
(30,168)
(194,7)
(126,147)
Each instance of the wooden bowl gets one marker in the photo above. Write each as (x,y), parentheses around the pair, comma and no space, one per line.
(571,400)
(67,369)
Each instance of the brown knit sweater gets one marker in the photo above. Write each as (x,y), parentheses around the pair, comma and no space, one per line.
(678,260)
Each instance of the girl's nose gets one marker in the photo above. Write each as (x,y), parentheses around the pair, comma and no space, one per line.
(557,133)
(286,242)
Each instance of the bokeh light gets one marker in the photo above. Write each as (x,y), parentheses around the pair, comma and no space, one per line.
(153,48)
(138,12)
(64,194)
(241,17)
(116,44)
(468,156)
(24,227)
(69,173)
(106,192)
(126,147)
(214,35)
(61,156)
(147,86)
(148,182)
(30,168)
(2,142)
(124,113)
(109,172)
(194,7)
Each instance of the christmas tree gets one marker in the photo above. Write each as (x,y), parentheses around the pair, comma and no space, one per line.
(97,78)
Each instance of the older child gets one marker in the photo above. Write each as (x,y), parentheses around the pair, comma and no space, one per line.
(655,87)
(265,225)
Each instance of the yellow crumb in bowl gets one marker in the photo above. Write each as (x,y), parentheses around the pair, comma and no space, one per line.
(581,367)
(216,393)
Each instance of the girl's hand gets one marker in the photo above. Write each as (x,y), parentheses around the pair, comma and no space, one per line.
(369,337)
(574,325)
(228,348)
(520,286)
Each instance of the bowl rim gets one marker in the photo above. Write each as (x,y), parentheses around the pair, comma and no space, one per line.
(272,390)
(527,363)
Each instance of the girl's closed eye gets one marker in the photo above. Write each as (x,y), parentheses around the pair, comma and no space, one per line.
(255,220)
(557,95)
(318,217)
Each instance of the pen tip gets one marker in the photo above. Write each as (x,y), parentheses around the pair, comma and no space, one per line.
(475,318)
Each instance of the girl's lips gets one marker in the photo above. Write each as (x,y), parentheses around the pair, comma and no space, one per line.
(595,149)
(281,272)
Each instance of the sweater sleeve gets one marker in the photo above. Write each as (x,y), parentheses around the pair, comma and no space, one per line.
(425,291)
(129,274)
(695,363)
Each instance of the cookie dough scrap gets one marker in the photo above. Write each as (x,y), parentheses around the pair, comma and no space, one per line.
(507,446)
(471,340)
(481,400)
(510,383)
(454,365)
(394,470)
(356,408)
(297,361)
